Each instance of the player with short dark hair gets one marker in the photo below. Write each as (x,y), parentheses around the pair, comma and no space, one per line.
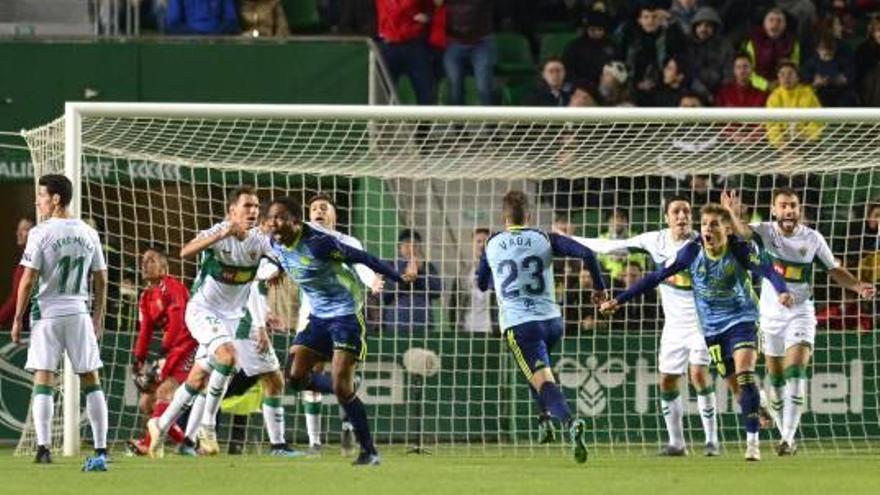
(519,260)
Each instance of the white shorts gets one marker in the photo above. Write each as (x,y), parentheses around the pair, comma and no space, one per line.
(680,347)
(779,334)
(252,361)
(52,336)
(208,329)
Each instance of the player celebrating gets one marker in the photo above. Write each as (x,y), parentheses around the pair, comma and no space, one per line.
(60,254)
(520,262)
(789,334)
(314,260)
(718,264)
(322,212)
(162,307)
(231,252)
(681,342)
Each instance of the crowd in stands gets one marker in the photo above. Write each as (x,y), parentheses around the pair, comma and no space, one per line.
(783,53)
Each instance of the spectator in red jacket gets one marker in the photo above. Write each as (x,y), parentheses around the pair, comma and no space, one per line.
(403,29)
(7,311)
(740,92)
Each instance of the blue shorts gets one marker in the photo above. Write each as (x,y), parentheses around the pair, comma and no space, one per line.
(325,335)
(722,346)
(531,342)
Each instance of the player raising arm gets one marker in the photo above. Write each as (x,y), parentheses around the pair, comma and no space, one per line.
(789,334)
(230,255)
(316,262)
(60,255)
(719,266)
(681,342)
(519,260)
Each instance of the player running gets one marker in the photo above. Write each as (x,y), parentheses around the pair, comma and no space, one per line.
(230,256)
(322,213)
(61,254)
(789,334)
(316,261)
(682,346)
(162,307)
(519,260)
(719,266)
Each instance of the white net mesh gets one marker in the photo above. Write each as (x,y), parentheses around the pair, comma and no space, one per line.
(149,179)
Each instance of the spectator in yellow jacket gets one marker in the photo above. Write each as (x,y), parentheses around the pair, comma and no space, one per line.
(790,93)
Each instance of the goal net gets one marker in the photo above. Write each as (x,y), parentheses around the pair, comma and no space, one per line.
(437,374)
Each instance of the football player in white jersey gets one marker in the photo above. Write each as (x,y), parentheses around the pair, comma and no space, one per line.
(322,212)
(61,255)
(230,256)
(682,346)
(789,334)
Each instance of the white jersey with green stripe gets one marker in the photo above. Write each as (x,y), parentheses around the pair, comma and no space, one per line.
(226,269)
(256,311)
(676,292)
(792,257)
(64,251)
(364,273)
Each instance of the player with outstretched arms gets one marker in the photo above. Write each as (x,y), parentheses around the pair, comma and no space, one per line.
(789,333)
(322,213)
(518,261)
(230,256)
(317,261)
(162,307)
(719,265)
(682,347)
(61,255)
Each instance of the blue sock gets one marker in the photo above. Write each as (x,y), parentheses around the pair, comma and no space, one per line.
(357,416)
(749,400)
(320,382)
(542,408)
(555,401)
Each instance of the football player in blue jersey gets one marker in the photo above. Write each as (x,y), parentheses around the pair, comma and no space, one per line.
(719,266)
(519,263)
(320,265)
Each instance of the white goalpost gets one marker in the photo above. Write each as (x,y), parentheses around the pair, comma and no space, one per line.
(148,173)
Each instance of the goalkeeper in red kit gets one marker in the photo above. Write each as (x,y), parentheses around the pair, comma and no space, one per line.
(162,307)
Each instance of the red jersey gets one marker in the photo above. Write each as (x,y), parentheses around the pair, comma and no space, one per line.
(396,19)
(163,307)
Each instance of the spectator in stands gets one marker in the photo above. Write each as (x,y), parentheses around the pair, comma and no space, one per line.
(201,17)
(864,236)
(472,310)
(868,65)
(613,90)
(831,70)
(562,225)
(673,84)
(585,56)
(618,228)
(642,316)
(358,17)
(470,47)
(582,96)
(552,90)
(790,93)
(740,92)
(263,18)
(577,306)
(739,16)
(768,45)
(402,29)
(687,141)
(681,15)
(408,305)
(803,15)
(645,45)
(709,54)
(846,314)
(7,310)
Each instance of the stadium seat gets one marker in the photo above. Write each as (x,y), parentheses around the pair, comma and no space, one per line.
(514,93)
(470,92)
(514,55)
(554,43)
(302,15)
(405,92)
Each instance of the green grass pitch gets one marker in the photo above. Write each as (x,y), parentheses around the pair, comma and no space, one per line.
(448,473)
